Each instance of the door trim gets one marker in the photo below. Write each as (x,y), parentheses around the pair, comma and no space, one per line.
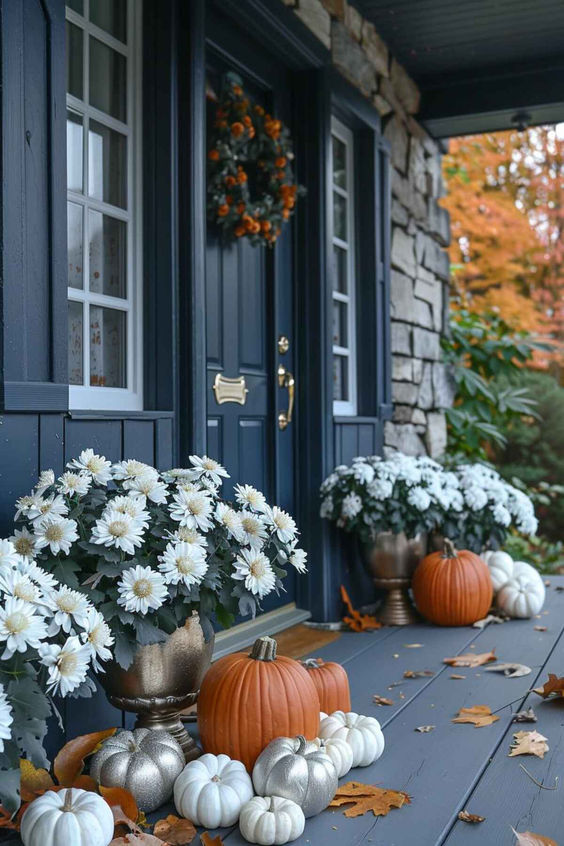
(270,623)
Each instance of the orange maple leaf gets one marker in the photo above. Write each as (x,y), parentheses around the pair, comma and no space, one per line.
(368,797)
(354,619)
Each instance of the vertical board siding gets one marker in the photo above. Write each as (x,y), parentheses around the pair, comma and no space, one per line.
(357,436)
(19,455)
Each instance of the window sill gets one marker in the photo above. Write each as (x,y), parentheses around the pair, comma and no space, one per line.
(83,414)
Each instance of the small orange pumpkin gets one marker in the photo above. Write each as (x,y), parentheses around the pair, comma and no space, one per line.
(332,684)
(246,700)
(452,588)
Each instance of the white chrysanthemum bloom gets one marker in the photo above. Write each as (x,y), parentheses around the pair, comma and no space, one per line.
(46,479)
(298,560)
(475,498)
(24,543)
(6,717)
(188,485)
(249,497)
(67,664)
(74,484)
(326,509)
(283,525)
(57,533)
(501,515)
(192,509)
(28,506)
(98,637)
(177,473)
(37,574)
(118,530)
(183,562)
(21,626)
(204,466)
(14,583)
(68,606)
(141,589)
(147,486)
(253,568)
(419,498)
(228,518)
(380,489)
(8,555)
(53,506)
(131,469)
(254,530)
(351,506)
(363,472)
(133,506)
(191,536)
(96,465)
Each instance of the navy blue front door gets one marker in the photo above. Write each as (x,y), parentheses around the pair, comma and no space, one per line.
(249,306)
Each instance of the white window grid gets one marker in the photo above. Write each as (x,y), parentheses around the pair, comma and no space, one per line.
(86,396)
(346,407)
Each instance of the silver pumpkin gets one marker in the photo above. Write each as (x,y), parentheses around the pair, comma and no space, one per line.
(145,762)
(295,769)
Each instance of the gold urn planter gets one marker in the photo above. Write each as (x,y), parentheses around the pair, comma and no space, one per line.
(163,680)
(391,561)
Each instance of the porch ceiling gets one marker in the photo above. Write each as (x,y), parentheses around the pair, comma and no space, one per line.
(477,62)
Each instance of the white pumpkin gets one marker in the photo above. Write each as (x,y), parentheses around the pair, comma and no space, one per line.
(271,820)
(363,734)
(521,568)
(501,566)
(211,791)
(70,816)
(521,597)
(339,751)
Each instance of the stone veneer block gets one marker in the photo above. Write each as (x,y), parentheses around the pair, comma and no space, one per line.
(404,393)
(396,133)
(316,18)
(351,59)
(375,48)
(426,344)
(403,437)
(336,8)
(353,21)
(403,251)
(436,434)
(405,88)
(402,303)
(425,395)
(402,368)
(444,385)
(401,338)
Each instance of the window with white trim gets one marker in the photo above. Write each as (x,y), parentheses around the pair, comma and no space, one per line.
(104,203)
(343,241)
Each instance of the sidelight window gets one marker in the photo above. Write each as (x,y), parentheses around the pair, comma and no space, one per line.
(104,203)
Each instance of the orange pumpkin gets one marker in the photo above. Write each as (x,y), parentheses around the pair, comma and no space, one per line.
(246,700)
(452,588)
(332,684)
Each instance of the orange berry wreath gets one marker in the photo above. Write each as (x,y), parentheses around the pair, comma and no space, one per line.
(247,141)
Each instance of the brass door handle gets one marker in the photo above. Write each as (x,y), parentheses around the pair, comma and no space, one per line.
(286,380)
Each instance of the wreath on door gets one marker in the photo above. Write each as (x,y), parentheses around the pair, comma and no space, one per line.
(251,188)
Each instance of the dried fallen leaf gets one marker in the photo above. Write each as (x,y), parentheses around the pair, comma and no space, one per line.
(470,659)
(527,716)
(69,762)
(554,685)
(425,729)
(381,700)
(175,830)
(529,838)
(528,743)
(140,838)
(539,628)
(33,781)
(512,671)
(470,818)
(457,676)
(367,797)
(412,645)
(478,715)
(491,618)
(417,674)
(207,840)
(123,805)
(355,620)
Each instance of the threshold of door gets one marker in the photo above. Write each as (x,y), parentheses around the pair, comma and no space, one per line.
(244,634)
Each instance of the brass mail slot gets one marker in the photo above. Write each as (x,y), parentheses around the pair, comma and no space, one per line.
(230,390)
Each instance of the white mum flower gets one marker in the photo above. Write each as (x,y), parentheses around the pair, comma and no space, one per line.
(53,506)
(254,530)
(183,562)
(298,560)
(177,473)
(192,509)
(475,498)
(283,525)
(326,509)
(501,515)
(147,486)
(351,506)
(56,533)
(191,536)
(249,497)
(19,585)
(141,589)
(67,664)
(132,469)
(6,717)
(28,506)
(98,637)
(8,555)
(363,472)
(24,543)
(133,506)
(204,466)
(96,465)
(419,498)
(73,484)
(380,489)
(118,530)
(46,479)
(37,574)
(254,569)
(228,518)
(20,626)
(69,606)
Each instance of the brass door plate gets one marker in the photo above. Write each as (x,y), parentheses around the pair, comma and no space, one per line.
(230,390)
(283,344)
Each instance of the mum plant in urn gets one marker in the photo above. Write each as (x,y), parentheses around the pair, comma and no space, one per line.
(390,505)
(157,554)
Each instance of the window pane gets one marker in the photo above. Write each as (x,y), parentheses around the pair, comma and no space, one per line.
(110,15)
(340,270)
(339,217)
(339,163)
(75,140)
(107,80)
(76,376)
(107,160)
(75,240)
(340,378)
(107,347)
(108,254)
(340,314)
(76,5)
(74,61)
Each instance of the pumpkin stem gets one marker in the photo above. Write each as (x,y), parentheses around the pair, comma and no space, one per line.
(449,549)
(264,649)
(301,744)
(312,663)
(67,806)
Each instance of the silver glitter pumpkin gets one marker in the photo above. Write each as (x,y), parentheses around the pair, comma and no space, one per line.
(296,769)
(145,762)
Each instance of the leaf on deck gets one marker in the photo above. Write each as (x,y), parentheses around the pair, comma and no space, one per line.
(34,781)
(69,762)
(456,676)
(381,700)
(417,674)
(527,716)
(140,838)
(528,743)
(539,628)
(470,659)
(511,670)
(529,838)
(554,686)
(354,619)
(367,797)
(466,817)
(478,715)
(207,840)
(175,830)
(491,618)
(424,729)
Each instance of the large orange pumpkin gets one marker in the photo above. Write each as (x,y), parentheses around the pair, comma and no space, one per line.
(452,588)
(246,700)
(332,684)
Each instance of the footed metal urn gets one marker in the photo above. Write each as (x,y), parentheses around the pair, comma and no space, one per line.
(391,561)
(163,680)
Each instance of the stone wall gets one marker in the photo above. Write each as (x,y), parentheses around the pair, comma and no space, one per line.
(422,387)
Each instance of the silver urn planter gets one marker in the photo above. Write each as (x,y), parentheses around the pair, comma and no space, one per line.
(163,680)
(391,561)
